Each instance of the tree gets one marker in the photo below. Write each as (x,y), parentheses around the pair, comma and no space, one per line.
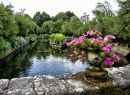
(103,9)
(60,16)
(8,25)
(84,18)
(103,17)
(56,27)
(44,17)
(9,9)
(83,29)
(46,26)
(66,28)
(39,18)
(123,21)
(22,25)
(69,15)
(32,27)
(22,12)
(75,24)
(36,18)
(25,25)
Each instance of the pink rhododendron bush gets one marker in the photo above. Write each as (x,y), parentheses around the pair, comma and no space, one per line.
(93,40)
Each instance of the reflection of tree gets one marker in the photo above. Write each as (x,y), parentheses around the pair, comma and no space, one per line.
(42,50)
(15,65)
(61,53)
(20,65)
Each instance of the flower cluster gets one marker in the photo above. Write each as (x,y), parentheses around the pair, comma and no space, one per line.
(109,37)
(94,33)
(81,55)
(110,56)
(94,38)
(77,40)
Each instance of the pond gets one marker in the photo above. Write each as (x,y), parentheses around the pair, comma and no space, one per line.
(39,59)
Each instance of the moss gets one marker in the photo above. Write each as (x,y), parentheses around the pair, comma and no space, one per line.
(105,85)
(95,69)
(96,72)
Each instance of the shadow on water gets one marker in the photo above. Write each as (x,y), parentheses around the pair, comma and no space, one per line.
(39,59)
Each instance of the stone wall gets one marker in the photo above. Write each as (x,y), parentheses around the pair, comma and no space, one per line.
(118,83)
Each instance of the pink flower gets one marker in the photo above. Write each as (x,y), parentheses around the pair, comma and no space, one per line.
(108,45)
(108,61)
(111,63)
(109,58)
(116,56)
(71,55)
(82,52)
(92,40)
(106,49)
(100,37)
(68,43)
(84,35)
(95,39)
(75,52)
(84,58)
(107,37)
(101,44)
(81,59)
(93,32)
(76,41)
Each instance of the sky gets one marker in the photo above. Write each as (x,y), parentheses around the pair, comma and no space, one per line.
(53,7)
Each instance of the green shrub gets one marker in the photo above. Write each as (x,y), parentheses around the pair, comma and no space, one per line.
(32,37)
(45,35)
(4,45)
(17,41)
(57,37)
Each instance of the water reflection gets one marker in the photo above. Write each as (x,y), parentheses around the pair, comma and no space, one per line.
(39,59)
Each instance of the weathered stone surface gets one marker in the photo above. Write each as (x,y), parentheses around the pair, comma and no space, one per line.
(121,50)
(49,85)
(69,84)
(3,86)
(46,85)
(21,86)
(120,76)
(94,58)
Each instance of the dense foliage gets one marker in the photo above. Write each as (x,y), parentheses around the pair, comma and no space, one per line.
(57,37)
(15,25)
(110,22)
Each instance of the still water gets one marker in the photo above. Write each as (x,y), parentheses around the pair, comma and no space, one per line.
(40,59)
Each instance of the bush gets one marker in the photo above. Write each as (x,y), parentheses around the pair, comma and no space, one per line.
(57,37)
(4,45)
(17,41)
(45,35)
(32,37)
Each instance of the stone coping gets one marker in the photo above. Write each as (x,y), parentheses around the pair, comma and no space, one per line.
(66,84)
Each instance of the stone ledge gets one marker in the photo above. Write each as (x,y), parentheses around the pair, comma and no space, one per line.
(67,84)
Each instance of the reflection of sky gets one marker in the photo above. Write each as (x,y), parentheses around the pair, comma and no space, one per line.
(53,65)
